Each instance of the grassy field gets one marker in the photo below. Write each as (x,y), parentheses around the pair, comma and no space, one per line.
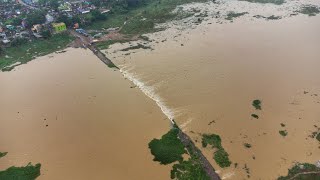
(26,52)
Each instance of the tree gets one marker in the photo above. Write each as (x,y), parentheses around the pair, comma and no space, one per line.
(45,33)
(64,18)
(36,17)
(96,2)
(97,15)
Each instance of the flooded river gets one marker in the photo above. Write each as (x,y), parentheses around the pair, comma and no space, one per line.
(79,119)
(207,78)
(82,120)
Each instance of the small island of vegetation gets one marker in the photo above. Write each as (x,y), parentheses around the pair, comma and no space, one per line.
(2,154)
(257,104)
(255,116)
(220,155)
(283,133)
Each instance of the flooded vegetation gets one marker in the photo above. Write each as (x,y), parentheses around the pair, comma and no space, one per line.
(29,172)
(220,155)
(2,154)
(168,149)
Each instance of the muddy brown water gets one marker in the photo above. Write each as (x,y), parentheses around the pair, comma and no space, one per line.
(215,71)
(98,127)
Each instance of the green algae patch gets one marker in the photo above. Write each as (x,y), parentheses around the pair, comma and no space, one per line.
(256,104)
(220,156)
(2,154)
(168,149)
(29,172)
(302,171)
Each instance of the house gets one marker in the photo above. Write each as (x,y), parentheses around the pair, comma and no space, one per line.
(59,27)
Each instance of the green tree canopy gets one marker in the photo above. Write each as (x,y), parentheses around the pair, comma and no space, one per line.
(36,17)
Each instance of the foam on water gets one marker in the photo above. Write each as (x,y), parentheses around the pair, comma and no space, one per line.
(150,92)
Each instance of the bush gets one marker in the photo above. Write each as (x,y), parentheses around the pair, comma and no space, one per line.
(220,156)
(257,104)
(255,116)
(283,133)
(2,154)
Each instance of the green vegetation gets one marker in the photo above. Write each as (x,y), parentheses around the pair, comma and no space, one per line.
(277,2)
(273,17)
(231,15)
(26,51)
(311,171)
(190,169)
(142,17)
(212,139)
(28,172)
(310,10)
(247,145)
(318,137)
(2,154)
(220,155)
(168,149)
(255,116)
(139,46)
(222,158)
(283,133)
(106,44)
(36,17)
(257,104)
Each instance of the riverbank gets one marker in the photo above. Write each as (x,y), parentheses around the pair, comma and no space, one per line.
(27,51)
